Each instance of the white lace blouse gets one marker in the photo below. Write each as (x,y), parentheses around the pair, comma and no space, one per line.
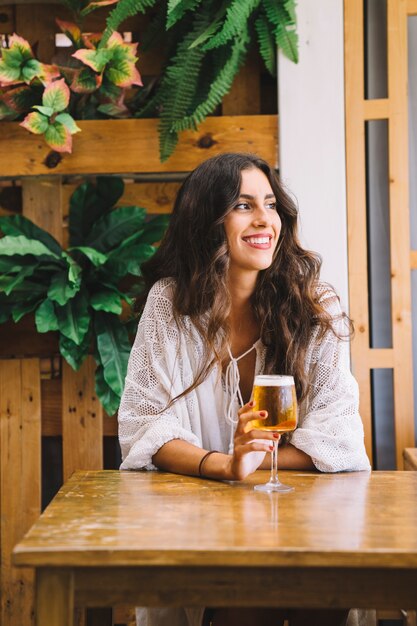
(164,361)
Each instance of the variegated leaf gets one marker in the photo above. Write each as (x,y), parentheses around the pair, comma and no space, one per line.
(56,96)
(19,43)
(48,73)
(58,137)
(86,81)
(96,59)
(71,30)
(21,98)
(68,121)
(9,75)
(124,74)
(30,70)
(36,123)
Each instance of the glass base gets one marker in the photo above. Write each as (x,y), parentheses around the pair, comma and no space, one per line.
(273,487)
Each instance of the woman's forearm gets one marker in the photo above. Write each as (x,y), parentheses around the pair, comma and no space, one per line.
(290,457)
(181,457)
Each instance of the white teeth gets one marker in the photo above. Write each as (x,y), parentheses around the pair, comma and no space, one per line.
(257,240)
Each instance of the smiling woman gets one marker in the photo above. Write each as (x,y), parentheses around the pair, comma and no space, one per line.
(231,294)
(253,227)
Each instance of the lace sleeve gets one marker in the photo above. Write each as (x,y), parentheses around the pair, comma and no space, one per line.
(145,422)
(331,429)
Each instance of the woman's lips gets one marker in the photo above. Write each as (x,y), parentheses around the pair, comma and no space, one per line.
(259,242)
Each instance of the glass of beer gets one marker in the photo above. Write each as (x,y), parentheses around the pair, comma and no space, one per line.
(276,395)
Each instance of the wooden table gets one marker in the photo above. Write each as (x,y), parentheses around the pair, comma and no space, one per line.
(154,539)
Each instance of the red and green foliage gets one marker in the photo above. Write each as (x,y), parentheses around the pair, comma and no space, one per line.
(48,98)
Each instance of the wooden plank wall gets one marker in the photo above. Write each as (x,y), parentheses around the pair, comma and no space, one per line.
(40,396)
(358,111)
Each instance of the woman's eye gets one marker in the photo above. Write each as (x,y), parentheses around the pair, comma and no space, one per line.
(242,206)
(272,205)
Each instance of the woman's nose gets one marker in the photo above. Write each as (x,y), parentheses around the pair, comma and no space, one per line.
(261,215)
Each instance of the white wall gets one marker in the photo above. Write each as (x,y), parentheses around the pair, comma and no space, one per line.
(312,135)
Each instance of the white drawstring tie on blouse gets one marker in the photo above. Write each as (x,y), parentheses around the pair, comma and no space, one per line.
(232,389)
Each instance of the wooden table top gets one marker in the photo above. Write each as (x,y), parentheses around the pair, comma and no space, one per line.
(111,518)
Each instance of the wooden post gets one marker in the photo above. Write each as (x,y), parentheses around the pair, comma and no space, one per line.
(55,598)
(82,419)
(20,481)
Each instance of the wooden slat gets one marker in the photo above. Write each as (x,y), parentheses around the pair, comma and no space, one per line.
(400,227)
(38,26)
(356,201)
(82,419)
(19,481)
(377,109)
(7,23)
(42,203)
(380,358)
(55,597)
(122,146)
(245,96)
(51,390)
(22,340)
(412,7)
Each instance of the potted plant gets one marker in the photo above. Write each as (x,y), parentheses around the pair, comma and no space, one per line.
(81,292)
(206,44)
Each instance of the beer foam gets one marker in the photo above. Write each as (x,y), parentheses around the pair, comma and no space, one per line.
(273,380)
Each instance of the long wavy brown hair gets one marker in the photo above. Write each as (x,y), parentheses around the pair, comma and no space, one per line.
(194,251)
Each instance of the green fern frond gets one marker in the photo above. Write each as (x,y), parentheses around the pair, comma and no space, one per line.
(267,46)
(213,27)
(281,14)
(237,16)
(290,8)
(177,8)
(220,86)
(179,83)
(124,9)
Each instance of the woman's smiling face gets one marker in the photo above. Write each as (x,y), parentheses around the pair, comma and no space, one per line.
(253,226)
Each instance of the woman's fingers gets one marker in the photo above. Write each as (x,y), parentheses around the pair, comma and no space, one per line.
(247,414)
(257,434)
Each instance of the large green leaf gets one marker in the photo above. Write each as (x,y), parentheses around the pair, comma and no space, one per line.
(106,300)
(83,211)
(19,225)
(20,310)
(97,258)
(114,348)
(61,289)
(155,229)
(74,271)
(129,259)
(89,202)
(107,397)
(21,245)
(26,291)
(45,317)
(111,229)
(74,317)
(8,282)
(73,354)
(110,189)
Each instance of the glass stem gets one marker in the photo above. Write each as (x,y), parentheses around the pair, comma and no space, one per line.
(274,464)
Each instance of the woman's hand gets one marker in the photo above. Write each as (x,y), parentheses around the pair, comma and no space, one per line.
(250,445)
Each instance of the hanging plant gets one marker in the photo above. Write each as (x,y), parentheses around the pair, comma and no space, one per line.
(79,292)
(206,44)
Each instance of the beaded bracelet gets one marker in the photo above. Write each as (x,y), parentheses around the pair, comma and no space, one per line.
(205,457)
